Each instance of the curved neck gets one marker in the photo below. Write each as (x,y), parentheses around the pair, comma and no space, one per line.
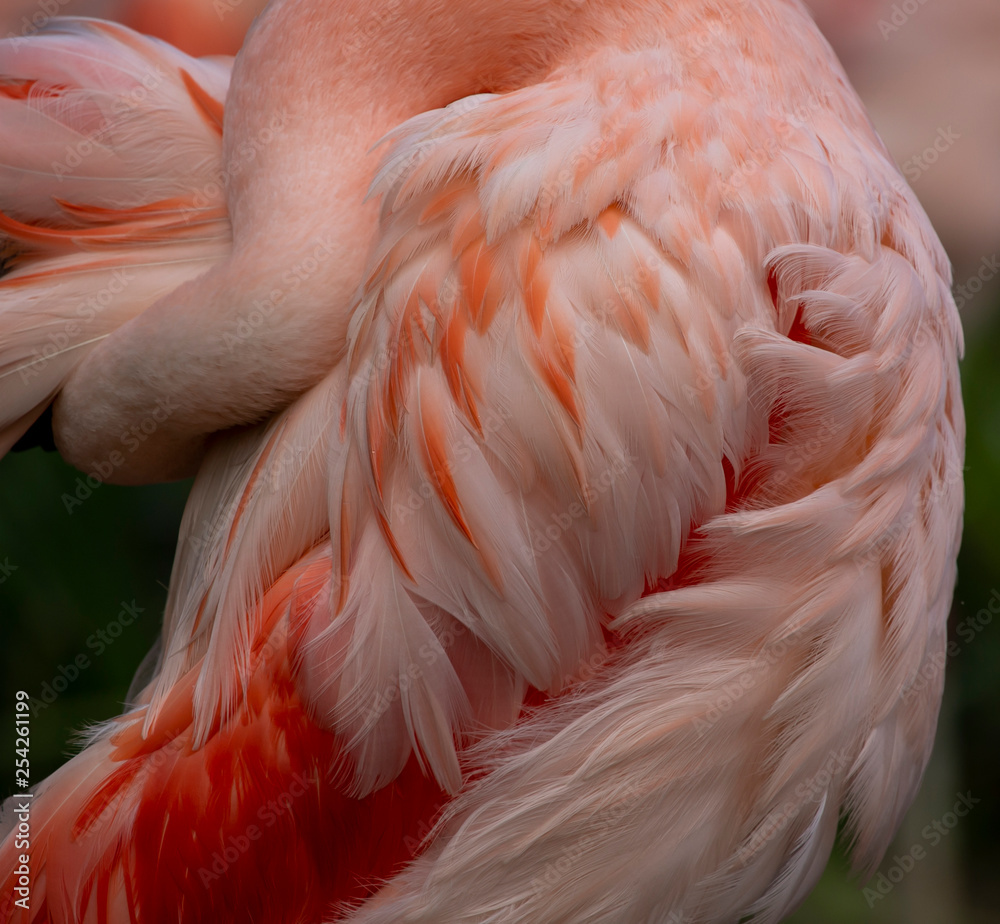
(316,85)
(319,82)
(336,76)
(434,50)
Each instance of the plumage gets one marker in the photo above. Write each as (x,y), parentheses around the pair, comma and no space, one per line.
(104,219)
(595,479)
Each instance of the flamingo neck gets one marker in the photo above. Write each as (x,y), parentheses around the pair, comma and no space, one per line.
(318,84)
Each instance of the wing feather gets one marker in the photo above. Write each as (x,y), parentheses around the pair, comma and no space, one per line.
(568,385)
(99,219)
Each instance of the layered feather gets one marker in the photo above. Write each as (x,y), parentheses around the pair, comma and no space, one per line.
(98,217)
(649,432)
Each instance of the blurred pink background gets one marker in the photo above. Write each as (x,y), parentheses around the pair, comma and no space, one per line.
(933,76)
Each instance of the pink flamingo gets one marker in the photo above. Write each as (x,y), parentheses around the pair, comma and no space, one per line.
(198,27)
(573,396)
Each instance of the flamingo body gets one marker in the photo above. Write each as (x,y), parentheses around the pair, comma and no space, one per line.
(577,469)
(198,27)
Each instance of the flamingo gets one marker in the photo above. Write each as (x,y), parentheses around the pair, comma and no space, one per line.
(571,392)
(198,27)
